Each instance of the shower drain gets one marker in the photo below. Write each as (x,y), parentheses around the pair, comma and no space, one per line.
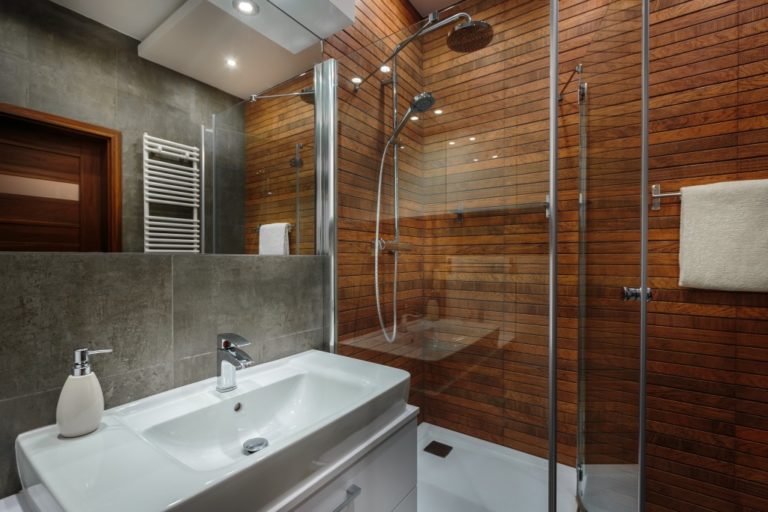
(254,445)
(439,449)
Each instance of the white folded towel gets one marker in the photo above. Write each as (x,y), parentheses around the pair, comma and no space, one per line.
(273,238)
(724,236)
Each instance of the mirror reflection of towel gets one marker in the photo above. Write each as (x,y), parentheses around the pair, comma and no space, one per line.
(273,239)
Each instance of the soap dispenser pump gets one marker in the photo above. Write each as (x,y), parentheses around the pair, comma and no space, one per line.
(81,402)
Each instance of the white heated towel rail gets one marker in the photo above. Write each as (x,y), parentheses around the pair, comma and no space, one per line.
(172,196)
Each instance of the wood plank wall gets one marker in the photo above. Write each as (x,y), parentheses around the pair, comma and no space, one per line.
(706,429)
(274,187)
(708,350)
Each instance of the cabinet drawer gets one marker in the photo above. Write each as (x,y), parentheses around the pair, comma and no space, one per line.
(384,477)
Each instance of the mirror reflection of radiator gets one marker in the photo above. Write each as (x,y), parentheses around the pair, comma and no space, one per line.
(172,196)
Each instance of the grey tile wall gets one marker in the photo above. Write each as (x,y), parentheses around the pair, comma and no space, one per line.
(272,311)
(159,313)
(56,61)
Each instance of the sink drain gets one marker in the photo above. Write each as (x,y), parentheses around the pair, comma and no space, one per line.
(254,445)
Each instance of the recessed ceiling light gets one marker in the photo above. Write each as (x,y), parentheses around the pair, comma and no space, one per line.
(414,118)
(231,62)
(495,156)
(402,147)
(438,111)
(246,7)
(357,80)
(451,143)
(475,160)
(473,139)
(385,69)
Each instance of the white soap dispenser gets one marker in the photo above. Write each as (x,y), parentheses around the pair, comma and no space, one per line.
(81,402)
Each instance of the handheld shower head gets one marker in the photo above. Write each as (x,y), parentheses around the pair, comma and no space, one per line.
(421,103)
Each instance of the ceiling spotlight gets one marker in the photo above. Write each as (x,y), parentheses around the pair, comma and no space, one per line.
(473,139)
(231,62)
(357,80)
(475,160)
(246,7)
(402,147)
(438,111)
(414,118)
(385,69)
(495,156)
(451,143)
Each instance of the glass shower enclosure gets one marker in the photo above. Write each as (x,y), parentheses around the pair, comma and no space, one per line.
(444,244)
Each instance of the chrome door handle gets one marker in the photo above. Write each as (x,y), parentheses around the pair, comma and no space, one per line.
(633,294)
(352,493)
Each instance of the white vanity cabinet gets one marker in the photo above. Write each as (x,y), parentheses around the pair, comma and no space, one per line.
(331,422)
(383,480)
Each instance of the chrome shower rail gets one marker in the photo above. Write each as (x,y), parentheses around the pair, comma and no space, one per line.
(430,25)
(554,41)
(255,97)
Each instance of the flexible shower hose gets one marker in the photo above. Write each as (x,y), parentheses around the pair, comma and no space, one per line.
(376,250)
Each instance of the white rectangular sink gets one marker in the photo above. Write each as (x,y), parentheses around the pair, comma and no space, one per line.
(183,449)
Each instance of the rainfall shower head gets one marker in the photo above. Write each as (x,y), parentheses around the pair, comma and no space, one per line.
(421,103)
(470,36)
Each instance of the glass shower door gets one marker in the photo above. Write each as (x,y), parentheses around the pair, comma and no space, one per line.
(472,280)
(610,250)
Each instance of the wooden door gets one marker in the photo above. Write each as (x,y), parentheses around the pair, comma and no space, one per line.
(56,186)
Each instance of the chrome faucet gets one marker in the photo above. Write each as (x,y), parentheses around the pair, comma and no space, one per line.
(229,359)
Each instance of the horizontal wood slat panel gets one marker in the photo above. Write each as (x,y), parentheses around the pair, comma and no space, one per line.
(707,432)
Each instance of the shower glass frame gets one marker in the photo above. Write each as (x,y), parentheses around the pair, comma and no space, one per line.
(327,118)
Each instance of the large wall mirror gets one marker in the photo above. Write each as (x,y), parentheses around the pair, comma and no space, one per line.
(115,139)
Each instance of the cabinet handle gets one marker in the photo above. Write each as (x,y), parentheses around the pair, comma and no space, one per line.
(352,493)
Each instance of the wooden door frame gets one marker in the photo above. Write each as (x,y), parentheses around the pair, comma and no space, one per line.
(113,158)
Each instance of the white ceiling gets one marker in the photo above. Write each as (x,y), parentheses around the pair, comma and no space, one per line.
(427,6)
(137,18)
(196,37)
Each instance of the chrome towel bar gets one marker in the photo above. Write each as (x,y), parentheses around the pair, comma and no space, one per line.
(657,194)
